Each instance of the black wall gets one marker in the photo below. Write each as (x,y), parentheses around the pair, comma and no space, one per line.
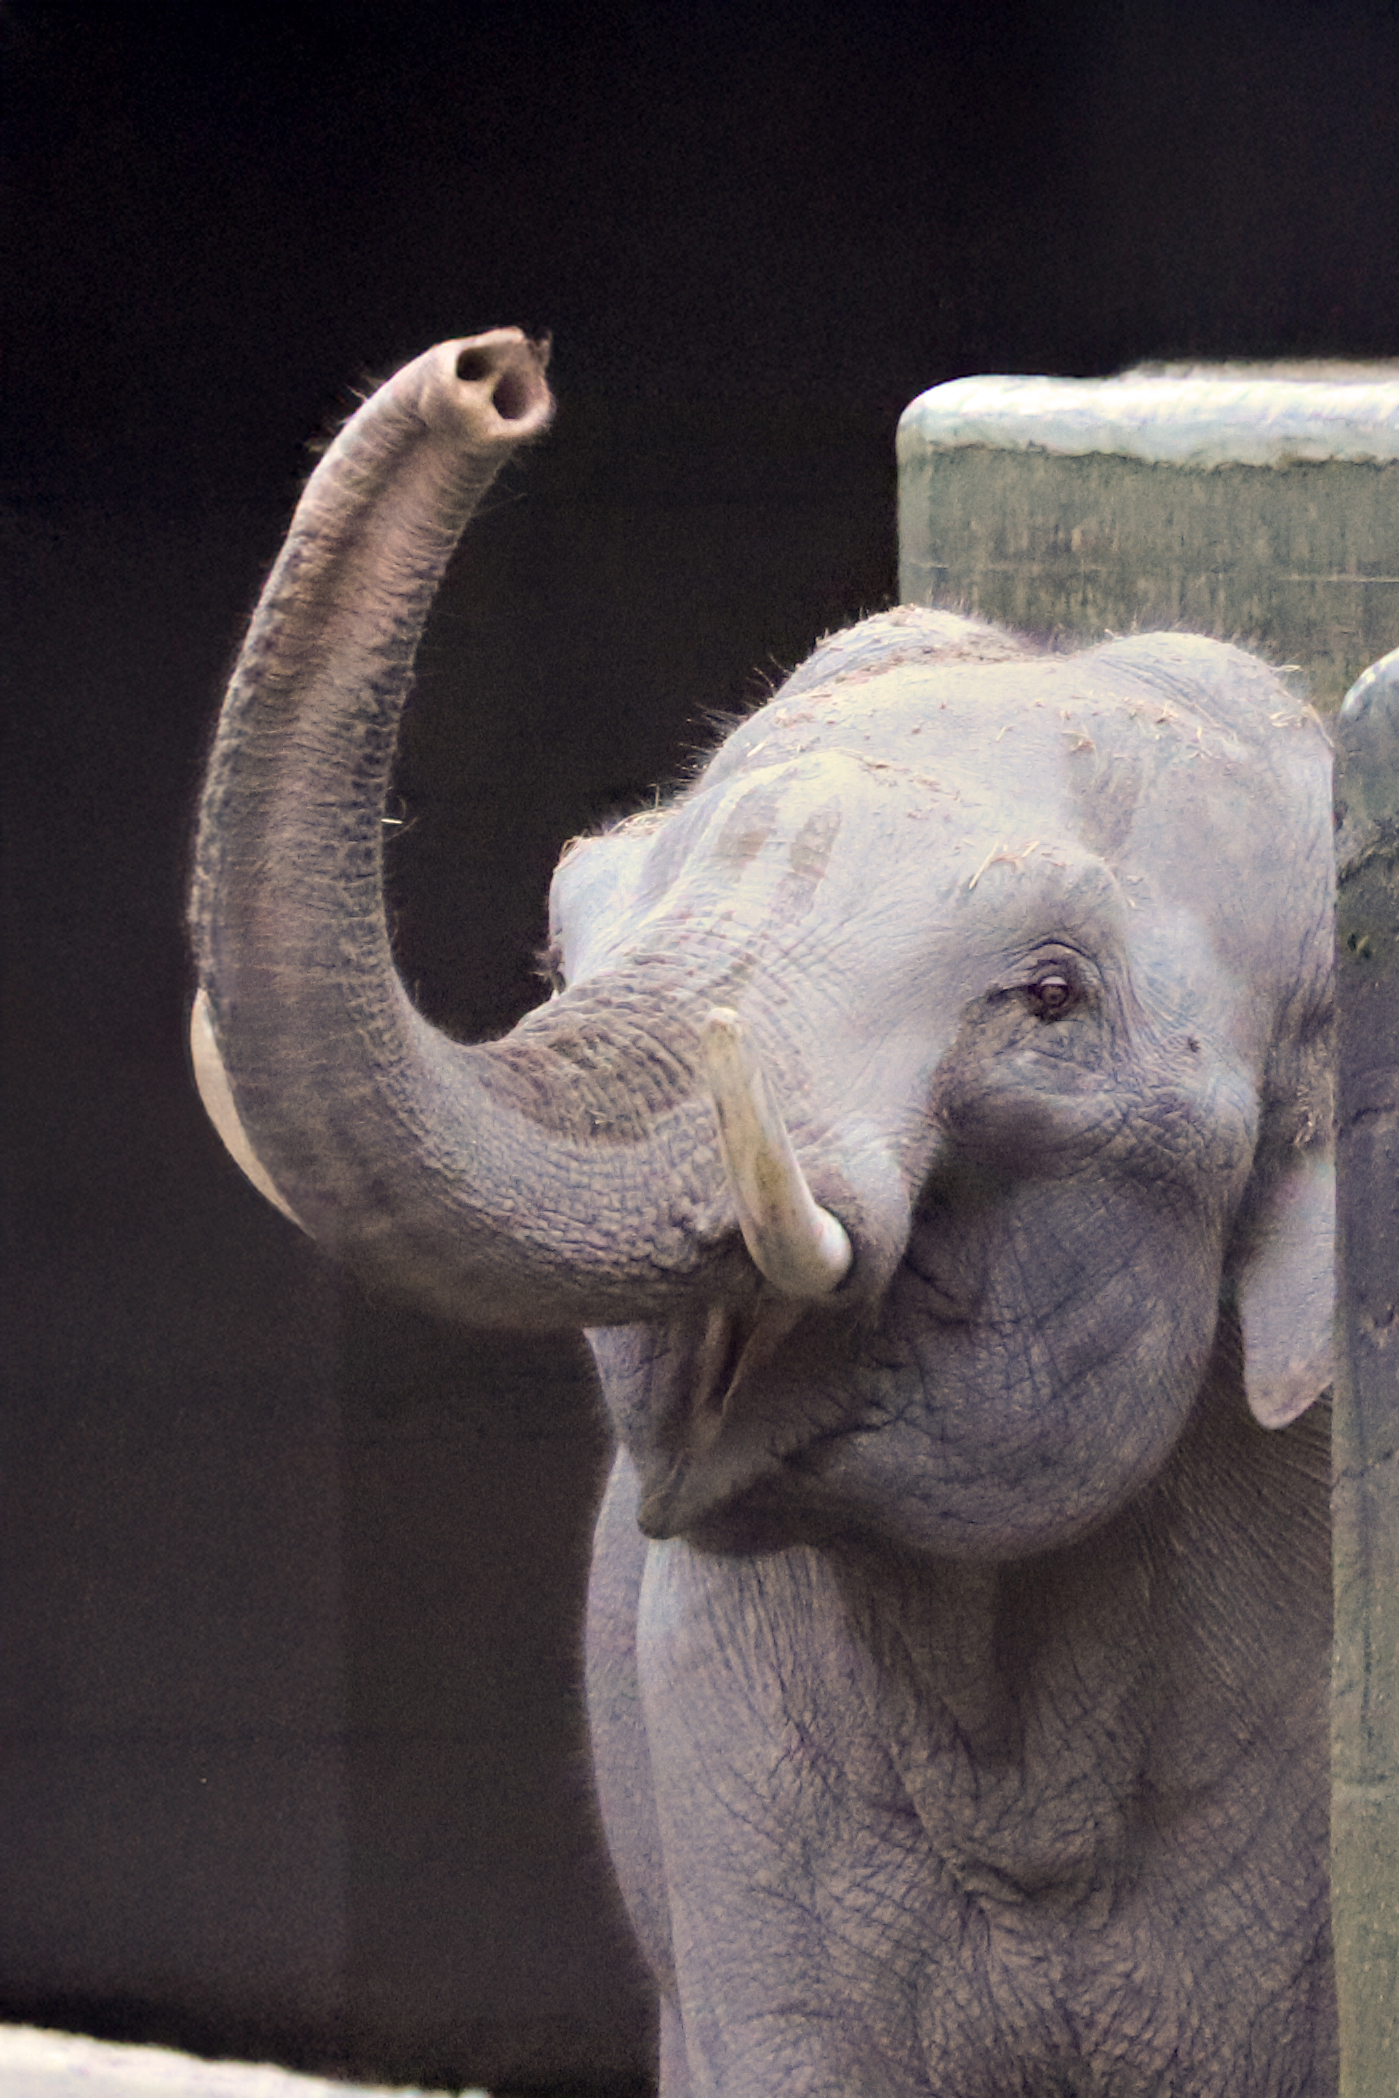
(292,1759)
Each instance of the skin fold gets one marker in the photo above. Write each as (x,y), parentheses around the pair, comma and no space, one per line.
(959,1619)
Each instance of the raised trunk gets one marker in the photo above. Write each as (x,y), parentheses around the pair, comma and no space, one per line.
(566,1175)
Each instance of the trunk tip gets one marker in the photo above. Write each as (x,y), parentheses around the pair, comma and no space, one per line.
(504,370)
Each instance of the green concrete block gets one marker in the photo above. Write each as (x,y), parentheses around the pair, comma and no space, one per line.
(1247,502)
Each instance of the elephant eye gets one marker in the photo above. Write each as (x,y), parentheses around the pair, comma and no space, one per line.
(1050,995)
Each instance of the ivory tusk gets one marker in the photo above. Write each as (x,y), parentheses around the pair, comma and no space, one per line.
(217,1096)
(800,1248)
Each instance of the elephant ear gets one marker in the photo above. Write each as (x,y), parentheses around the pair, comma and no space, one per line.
(1287,1292)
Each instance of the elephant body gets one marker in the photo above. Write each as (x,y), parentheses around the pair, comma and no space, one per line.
(886,1826)
(931,1126)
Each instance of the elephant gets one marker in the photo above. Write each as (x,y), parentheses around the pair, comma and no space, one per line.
(930,1122)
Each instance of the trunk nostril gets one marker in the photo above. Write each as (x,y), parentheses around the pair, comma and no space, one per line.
(511,398)
(511,395)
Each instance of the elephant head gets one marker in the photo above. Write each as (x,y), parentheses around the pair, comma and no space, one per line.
(930,1090)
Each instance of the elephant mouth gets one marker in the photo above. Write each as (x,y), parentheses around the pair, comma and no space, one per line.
(734,1391)
(735,1426)
(702,1457)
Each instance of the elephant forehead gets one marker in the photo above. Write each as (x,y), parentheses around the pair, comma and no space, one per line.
(862,798)
(933,727)
(787,824)
(1086,737)
(833,837)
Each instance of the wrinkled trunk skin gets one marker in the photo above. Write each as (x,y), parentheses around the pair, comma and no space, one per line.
(453,1172)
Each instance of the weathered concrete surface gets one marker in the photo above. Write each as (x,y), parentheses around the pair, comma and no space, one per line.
(1365,1501)
(36,2064)
(1258,504)
(1253,503)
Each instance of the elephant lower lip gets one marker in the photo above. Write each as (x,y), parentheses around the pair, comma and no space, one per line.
(699,1491)
(779,1510)
(745,1499)
(762,1518)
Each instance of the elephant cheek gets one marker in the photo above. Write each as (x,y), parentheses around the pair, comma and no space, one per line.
(980,1457)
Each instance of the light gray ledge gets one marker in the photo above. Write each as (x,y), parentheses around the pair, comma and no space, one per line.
(1241,415)
(38,2064)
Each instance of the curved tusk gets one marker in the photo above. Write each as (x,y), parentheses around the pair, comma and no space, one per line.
(800,1248)
(217,1096)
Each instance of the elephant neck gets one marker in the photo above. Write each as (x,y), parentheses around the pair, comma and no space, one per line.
(1057,1720)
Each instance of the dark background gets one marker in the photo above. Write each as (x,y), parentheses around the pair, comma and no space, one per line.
(293,1761)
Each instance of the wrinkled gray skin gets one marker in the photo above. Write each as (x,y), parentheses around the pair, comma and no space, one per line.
(959,1637)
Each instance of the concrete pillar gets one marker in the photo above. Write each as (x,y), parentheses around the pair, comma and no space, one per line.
(1259,504)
